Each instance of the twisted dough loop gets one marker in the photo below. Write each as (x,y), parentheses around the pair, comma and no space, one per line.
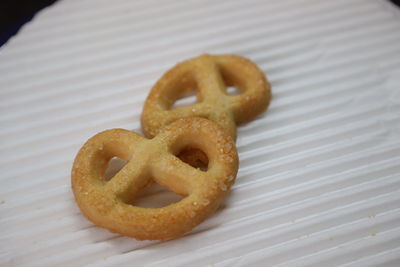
(209,75)
(106,203)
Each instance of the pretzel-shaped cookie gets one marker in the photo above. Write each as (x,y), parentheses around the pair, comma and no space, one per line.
(107,203)
(209,75)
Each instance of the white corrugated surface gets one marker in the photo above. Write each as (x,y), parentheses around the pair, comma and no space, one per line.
(319,181)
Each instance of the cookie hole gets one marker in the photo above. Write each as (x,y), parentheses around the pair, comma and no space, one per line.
(186,99)
(114,166)
(233,90)
(156,196)
(194,157)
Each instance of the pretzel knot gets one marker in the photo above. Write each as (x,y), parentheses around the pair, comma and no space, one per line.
(109,203)
(208,75)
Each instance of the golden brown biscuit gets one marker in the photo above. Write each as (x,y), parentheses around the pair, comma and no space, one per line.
(107,203)
(209,76)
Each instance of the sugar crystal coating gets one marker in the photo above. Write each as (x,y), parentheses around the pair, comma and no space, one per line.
(216,105)
(106,203)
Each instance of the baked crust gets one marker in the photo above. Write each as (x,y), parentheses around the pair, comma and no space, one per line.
(209,76)
(107,203)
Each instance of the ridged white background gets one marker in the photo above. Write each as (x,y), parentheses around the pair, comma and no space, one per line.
(319,179)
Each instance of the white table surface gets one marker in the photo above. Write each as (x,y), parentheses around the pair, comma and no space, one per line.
(319,179)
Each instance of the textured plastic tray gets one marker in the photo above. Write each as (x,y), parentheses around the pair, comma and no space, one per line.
(319,179)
